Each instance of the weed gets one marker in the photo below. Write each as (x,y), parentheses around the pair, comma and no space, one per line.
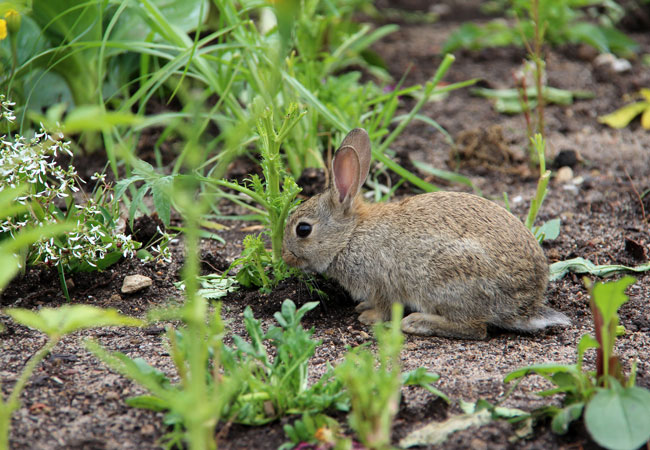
(55,323)
(243,383)
(561,21)
(611,403)
(49,199)
(274,197)
(373,384)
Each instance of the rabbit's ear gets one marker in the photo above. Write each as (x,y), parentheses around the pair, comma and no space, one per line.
(345,175)
(359,140)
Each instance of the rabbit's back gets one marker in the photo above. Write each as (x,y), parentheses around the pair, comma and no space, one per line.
(452,254)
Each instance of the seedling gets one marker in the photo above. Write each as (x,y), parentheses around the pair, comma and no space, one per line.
(615,410)
(55,323)
(373,384)
(562,21)
(273,198)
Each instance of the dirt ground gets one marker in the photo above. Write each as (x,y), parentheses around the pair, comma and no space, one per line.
(74,402)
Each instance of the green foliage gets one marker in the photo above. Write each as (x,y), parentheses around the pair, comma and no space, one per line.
(508,101)
(243,383)
(152,182)
(551,229)
(562,21)
(614,409)
(312,429)
(581,265)
(274,197)
(56,323)
(48,205)
(375,390)
(623,116)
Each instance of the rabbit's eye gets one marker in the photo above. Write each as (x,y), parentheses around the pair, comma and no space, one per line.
(303,229)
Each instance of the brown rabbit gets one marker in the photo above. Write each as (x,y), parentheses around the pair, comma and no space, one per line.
(461,262)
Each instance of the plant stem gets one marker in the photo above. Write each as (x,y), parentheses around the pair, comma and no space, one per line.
(539,67)
(13,403)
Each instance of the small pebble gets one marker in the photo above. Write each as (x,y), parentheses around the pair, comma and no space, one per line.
(135,283)
(564,175)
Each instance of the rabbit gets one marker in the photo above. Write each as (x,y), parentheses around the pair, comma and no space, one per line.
(458,261)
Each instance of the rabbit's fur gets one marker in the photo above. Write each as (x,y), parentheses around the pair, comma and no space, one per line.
(459,261)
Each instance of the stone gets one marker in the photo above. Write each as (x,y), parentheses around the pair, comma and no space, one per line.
(135,283)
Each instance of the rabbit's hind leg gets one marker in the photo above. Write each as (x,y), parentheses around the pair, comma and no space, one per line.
(424,324)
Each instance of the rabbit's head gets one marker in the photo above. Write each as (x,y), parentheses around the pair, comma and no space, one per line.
(320,227)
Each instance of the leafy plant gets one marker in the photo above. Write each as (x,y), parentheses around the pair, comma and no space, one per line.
(245,383)
(318,430)
(562,21)
(548,230)
(581,265)
(92,241)
(274,197)
(615,410)
(55,323)
(623,116)
(509,101)
(373,384)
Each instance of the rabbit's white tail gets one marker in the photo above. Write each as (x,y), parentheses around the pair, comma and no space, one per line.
(546,317)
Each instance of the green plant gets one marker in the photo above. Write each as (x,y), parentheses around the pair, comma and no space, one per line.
(244,383)
(317,429)
(548,230)
(274,197)
(373,384)
(615,410)
(92,241)
(562,21)
(55,323)
(623,116)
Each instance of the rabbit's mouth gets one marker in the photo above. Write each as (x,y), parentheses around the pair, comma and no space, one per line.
(293,260)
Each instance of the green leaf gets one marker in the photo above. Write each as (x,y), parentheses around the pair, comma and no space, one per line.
(548,230)
(545,369)
(581,265)
(611,296)
(68,318)
(446,175)
(135,25)
(623,116)
(565,416)
(148,402)
(161,189)
(619,418)
(95,118)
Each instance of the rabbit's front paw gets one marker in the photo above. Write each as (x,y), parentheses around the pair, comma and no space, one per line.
(370,316)
(434,325)
(364,306)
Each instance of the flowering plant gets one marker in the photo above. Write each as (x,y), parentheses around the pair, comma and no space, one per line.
(54,196)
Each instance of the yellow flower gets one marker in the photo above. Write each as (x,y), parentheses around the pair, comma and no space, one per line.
(13,21)
(3,29)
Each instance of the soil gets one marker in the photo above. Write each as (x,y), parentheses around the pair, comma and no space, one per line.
(74,402)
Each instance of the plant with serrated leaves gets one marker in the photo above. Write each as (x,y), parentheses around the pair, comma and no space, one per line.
(55,323)
(272,199)
(615,411)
